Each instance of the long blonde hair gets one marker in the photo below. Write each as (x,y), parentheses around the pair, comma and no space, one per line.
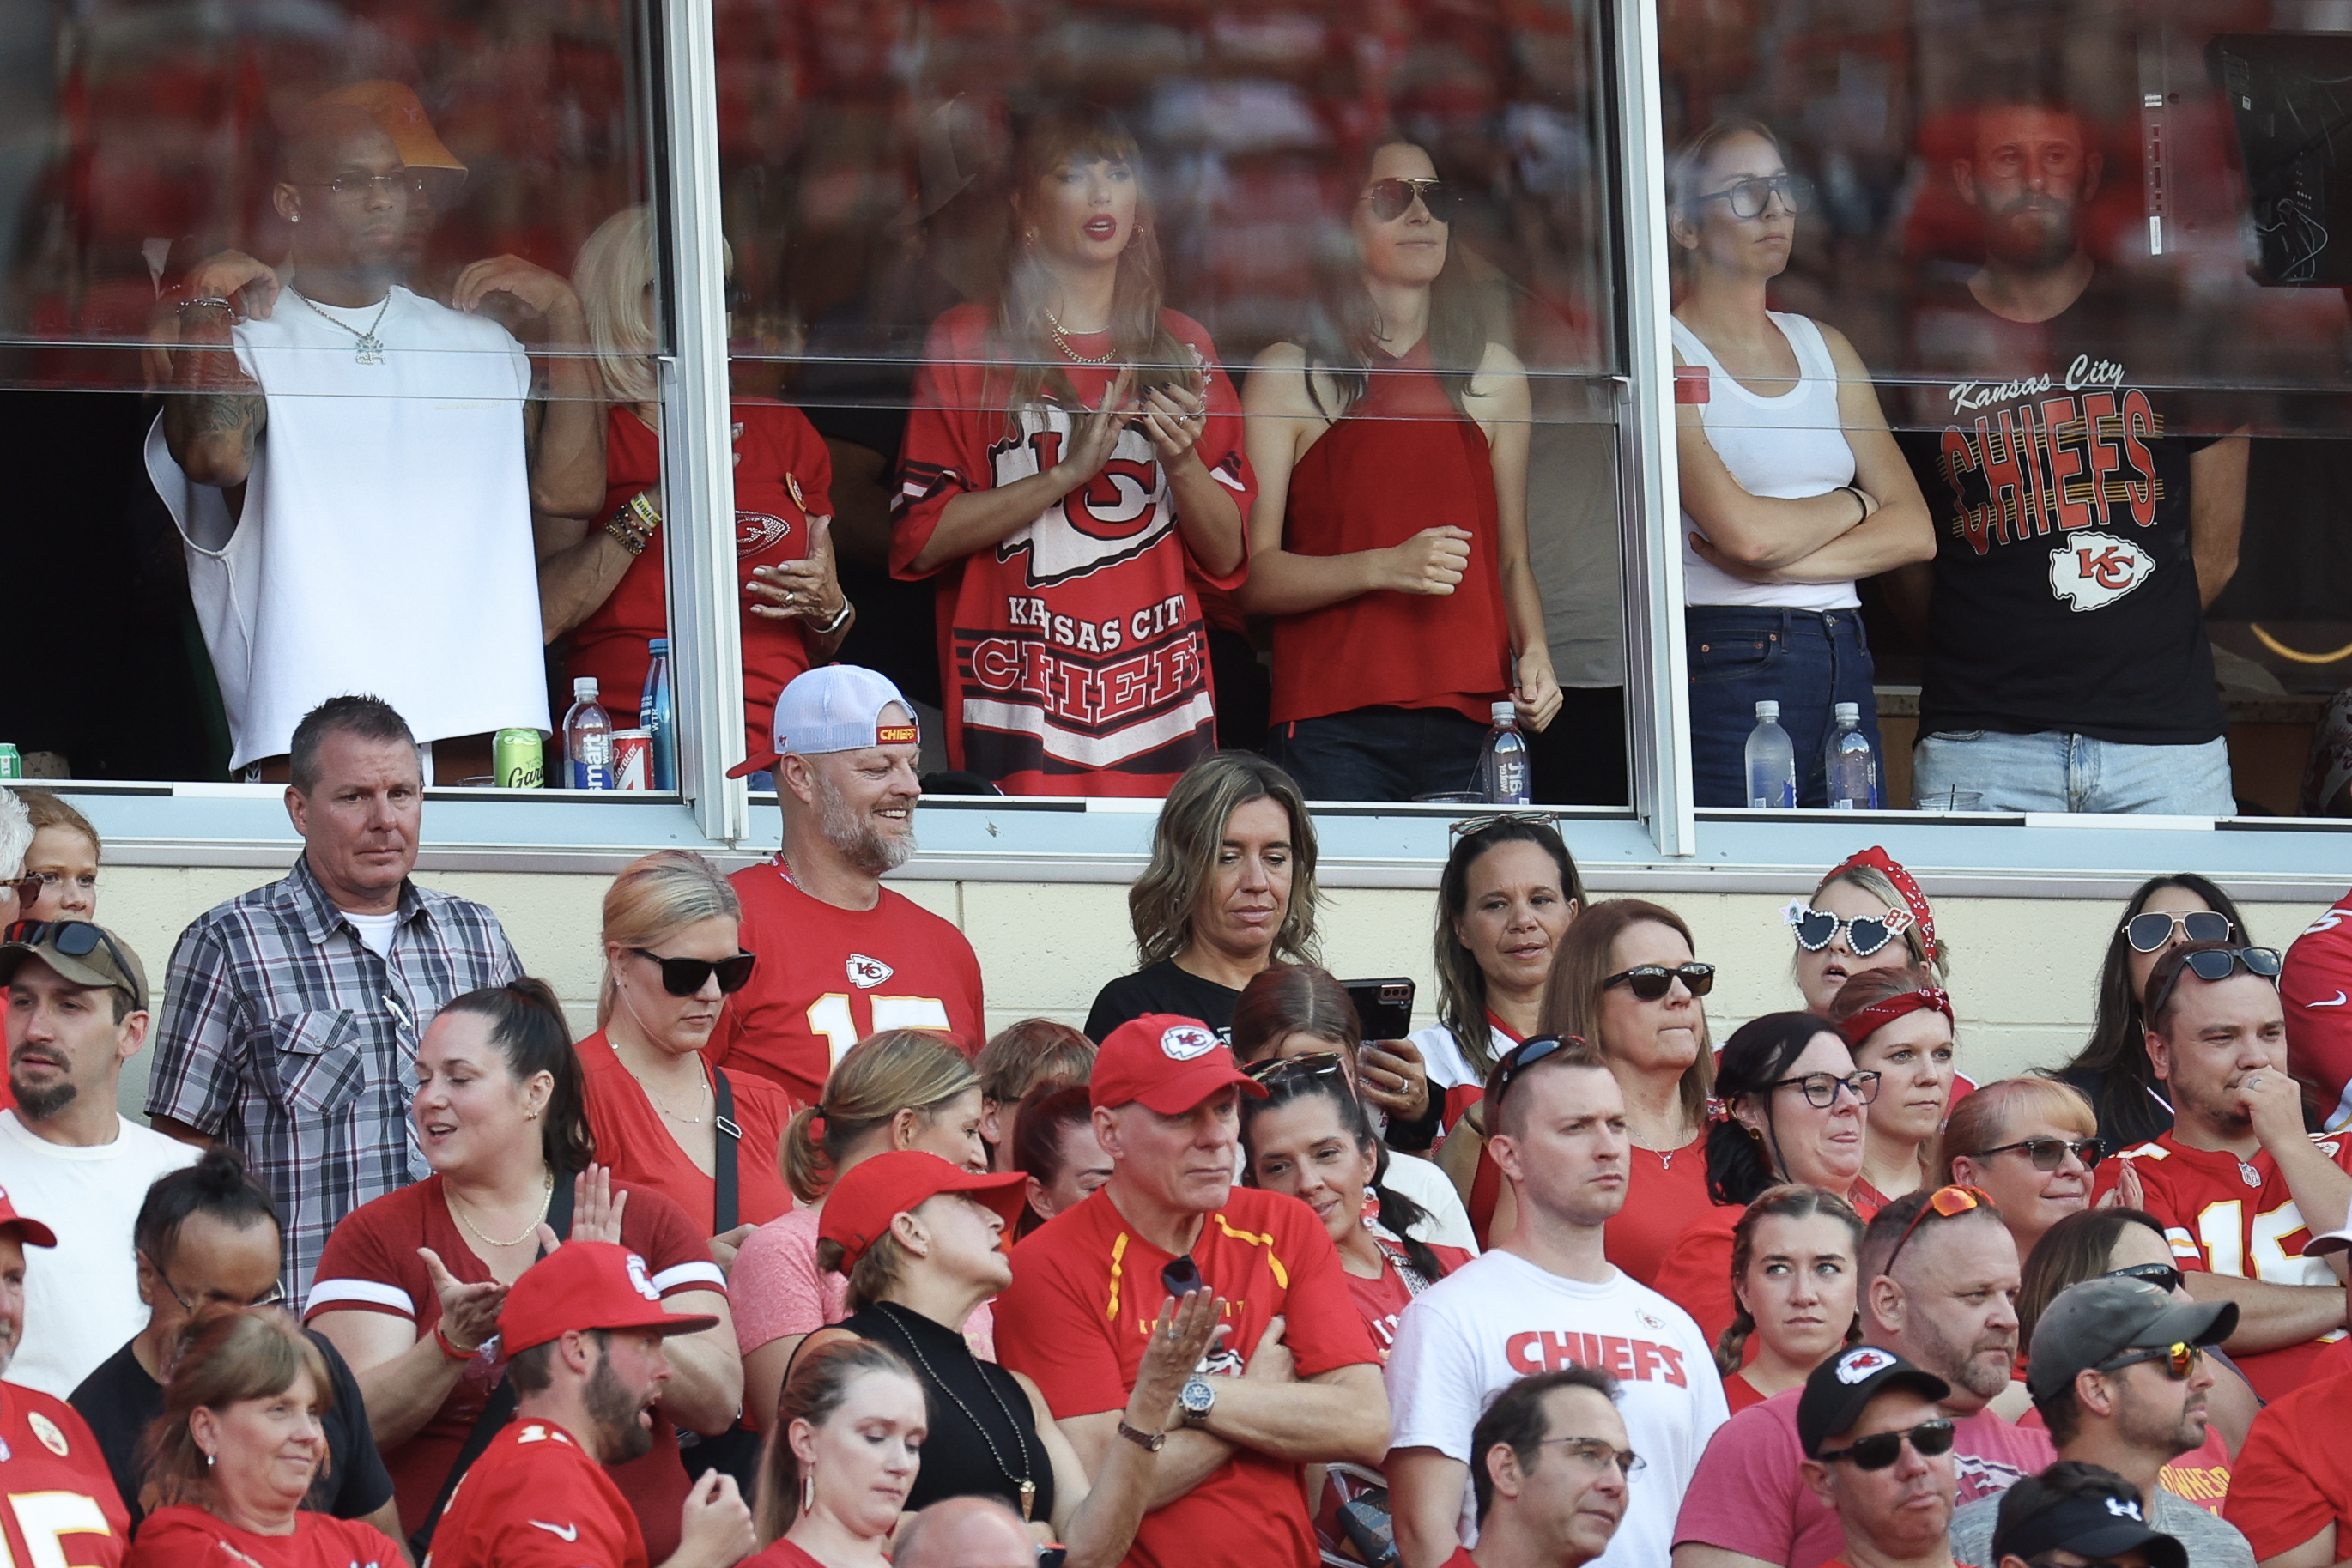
(892,1071)
(1184,843)
(614,269)
(655,896)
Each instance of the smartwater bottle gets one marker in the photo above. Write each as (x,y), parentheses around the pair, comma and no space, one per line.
(587,738)
(1504,777)
(1771,762)
(1850,763)
(653,716)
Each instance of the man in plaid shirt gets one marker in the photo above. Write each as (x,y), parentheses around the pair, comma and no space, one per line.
(291,1014)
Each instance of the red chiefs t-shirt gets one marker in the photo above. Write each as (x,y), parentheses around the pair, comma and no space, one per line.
(2315,987)
(1073,656)
(1086,1292)
(829,976)
(2221,1222)
(185,1537)
(370,1265)
(782,472)
(635,1139)
(1383,1300)
(537,1499)
(2294,1476)
(63,1509)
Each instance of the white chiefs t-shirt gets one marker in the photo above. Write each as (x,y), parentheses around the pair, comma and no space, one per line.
(1497,1319)
(385,544)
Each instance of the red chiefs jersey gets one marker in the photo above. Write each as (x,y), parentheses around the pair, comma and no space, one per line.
(828,977)
(2316,987)
(537,1499)
(1073,657)
(63,1509)
(2226,1215)
(185,1537)
(782,473)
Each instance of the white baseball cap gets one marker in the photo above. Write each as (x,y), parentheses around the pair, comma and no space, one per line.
(834,708)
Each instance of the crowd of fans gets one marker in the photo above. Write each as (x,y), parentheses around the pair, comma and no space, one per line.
(786,1262)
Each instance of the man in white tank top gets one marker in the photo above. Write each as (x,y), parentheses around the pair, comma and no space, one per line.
(354,466)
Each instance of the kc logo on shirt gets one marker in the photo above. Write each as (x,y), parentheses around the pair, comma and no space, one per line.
(2091,571)
(1627,1360)
(866,973)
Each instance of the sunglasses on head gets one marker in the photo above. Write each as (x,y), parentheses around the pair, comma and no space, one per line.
(2049,1153)
(2215,964)
(2153,929)
(1309,1064)
(1944,1203)
(1514,1063)
(1864,934)
(685,976)
(1651,981)
(1881,1450)
(1392,199)
(2163,1276)
(73,939)
(2178,1360)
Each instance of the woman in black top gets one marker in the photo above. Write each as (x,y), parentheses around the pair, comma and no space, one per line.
(917,1238)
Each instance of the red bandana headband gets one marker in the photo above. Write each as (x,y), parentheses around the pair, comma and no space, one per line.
(1915,900)
(1861,1024)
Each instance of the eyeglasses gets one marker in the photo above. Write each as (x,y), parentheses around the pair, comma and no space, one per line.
(1881,1450)
(1309,1064)
(71,938)
(1748,196)
(2049,1153)
(1651,981)
(355,185)
(1597,1453)
(1392,199)
(2153,929)
(273,1297)
(1864,934)
(1944,1203)
(2180,1360)
(2163,1276)
(684,977)
(2213,964)
(27,890)
(1463,827)
(1515,1061)
(1821,1088)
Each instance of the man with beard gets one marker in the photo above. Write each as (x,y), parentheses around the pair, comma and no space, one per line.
(64,1510)
(2242,1192)
(76,1012)
(1878,1452)
(2120,1375)
(582,1332)
(840,954)
(2087,511)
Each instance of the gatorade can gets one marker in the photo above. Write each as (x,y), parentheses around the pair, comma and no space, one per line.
(518,760)
(633,760)
(11,764)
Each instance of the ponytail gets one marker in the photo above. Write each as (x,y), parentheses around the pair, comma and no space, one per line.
(885,1074)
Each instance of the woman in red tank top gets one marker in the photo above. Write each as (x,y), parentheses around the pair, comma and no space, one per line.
(1389,539)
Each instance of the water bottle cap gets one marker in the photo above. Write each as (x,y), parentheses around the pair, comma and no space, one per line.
(584,687)
(1768,710)
(1502,710)
(660,646)
(1848,713)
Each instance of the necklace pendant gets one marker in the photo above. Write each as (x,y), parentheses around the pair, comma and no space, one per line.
(370,349)
(1666,1159)
(1028,1498)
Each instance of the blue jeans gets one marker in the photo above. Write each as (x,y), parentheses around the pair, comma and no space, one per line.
(1806,660)
(1379,753)
(2052,771)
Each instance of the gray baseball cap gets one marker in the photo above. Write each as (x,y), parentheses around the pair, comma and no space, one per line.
(2098,1319)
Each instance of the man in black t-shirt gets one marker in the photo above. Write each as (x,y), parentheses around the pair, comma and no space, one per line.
(2088,510)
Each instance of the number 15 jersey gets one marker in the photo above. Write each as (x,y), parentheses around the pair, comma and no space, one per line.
(828,977)
(61,1510)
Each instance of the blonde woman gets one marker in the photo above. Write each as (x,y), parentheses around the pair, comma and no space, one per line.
(702,1136)
(1868,913)
(899,1089)
(601,578)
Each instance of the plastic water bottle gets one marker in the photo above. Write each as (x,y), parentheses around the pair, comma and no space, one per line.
(1850,763)
(587,738)
(653,716)
(1504,777)
(1771,762)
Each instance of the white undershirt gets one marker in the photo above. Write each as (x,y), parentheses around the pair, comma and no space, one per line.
(376,930)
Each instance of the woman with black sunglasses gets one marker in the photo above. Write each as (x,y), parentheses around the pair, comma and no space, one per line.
(1388,538)
(672,954)
(1791,486)
(2032,1144)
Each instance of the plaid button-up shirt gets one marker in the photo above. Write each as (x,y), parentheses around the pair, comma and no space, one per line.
(286,1037)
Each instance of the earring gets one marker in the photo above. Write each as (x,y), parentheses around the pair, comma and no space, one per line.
(293,218)
(808,1492)
(208,1459)
(530,1116)
(1756,1134)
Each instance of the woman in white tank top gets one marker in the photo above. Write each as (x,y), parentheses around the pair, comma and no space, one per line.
(1791,486)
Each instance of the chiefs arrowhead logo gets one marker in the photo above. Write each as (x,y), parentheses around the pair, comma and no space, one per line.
(1860,1366)
(638,1278)
(2091,570)
(1185,1041)
(758,531)
(866,973)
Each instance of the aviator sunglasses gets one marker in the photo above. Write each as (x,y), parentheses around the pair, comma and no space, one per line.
(1392,199)
(684,977)
(2211,965)
(2153,929)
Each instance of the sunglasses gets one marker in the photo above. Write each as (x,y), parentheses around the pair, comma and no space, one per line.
(1821,1088)
(1864,934)
(2152,930)
(1651,981)
(1881,1450)
(2049,1153)
(1748,197)
(1463,827)
(1311,1064)
(685,976)
(1392,199)
(1515,1061)
(2180,1360)
(72,938)
(2163,1276)
(1944,1203)
(2215,964)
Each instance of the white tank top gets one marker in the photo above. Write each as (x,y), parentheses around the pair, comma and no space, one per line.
(1784,447)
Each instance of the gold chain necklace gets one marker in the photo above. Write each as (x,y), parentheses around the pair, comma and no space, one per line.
(545,1198)
(1062,341)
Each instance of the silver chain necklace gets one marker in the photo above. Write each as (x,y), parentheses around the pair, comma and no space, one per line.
(1028,1488)
(368,350)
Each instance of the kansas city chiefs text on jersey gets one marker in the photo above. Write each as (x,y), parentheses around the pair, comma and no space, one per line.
(2064,463)
(1086,691)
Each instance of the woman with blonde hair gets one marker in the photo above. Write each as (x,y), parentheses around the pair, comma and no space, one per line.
(602,578)
(2032,1144)
(1867,913)
(1898,1024)
(63,861)
(232,1459)
(703,1136)
(899,1089)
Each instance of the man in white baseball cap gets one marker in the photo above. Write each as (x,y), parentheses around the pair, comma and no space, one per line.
(840,954)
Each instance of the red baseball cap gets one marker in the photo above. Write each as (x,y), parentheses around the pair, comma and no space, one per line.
(585,1285)
(858,1208)
(30,1231)
(1169,1062)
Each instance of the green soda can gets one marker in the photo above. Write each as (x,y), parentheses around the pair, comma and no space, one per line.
(518,760)
(11,764)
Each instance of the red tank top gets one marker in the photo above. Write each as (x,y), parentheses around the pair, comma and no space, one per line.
(1402,459)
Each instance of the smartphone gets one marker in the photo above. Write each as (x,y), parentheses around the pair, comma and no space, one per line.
(1383,1008)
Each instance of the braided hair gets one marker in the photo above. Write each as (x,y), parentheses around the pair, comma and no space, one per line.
(1792,1200)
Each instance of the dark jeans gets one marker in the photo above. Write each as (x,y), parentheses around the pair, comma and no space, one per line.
(1806,660)
(1379,753)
